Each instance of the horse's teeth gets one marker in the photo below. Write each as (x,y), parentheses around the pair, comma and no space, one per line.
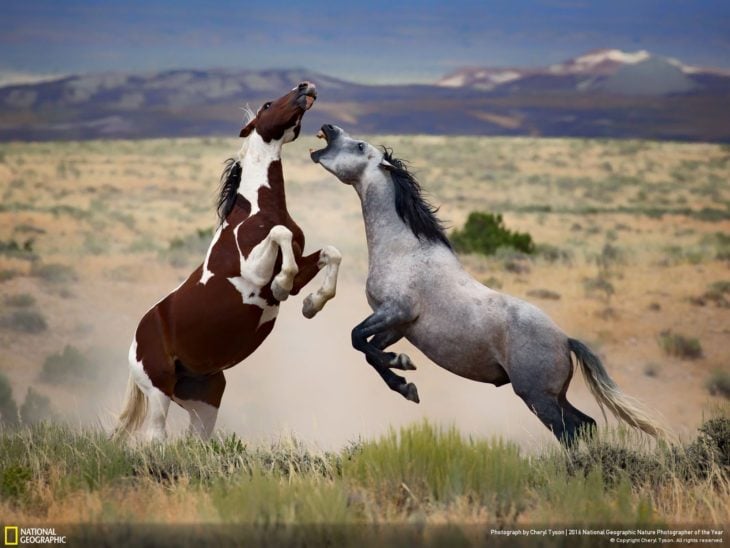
(320,134)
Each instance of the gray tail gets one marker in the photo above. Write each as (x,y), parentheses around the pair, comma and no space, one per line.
(134,411)
(608,394)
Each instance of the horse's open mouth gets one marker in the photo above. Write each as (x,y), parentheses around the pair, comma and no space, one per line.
(316,155)
(306,99)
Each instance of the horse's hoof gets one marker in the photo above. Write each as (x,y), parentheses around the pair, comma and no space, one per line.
(309,309)
(402,361)
(280,293)
(410,392)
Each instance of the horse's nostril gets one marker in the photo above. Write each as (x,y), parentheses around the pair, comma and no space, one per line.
(303,86)
(329,126)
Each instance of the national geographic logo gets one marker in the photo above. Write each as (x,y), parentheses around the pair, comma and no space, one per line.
(10,536)
(22,536)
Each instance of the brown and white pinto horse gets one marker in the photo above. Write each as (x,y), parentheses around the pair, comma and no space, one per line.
(225,309)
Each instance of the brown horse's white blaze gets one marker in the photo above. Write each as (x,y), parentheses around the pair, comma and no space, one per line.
(225,309)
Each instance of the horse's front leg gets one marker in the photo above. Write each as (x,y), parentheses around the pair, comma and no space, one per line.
(383,326)
(258,267)
(328,258)
(284,281)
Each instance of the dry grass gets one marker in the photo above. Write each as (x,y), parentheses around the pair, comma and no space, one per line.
(420,476)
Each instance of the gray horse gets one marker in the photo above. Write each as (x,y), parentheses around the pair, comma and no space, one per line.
(418,290)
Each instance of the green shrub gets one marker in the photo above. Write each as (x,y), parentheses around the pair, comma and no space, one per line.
(66,367)
(719,383)
(716,432)
(485,233)
(54,273)
(680,346)
(25,321)
(14,481)
(36,408)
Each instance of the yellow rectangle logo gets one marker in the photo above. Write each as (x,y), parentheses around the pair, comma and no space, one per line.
(11,535)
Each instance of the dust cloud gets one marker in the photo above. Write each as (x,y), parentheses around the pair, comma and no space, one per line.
(306,381)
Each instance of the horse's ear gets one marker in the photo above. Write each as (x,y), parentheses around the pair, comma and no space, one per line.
(246,131)
(386,165)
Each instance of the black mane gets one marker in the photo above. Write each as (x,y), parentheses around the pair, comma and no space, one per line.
(413,209)
(230,180)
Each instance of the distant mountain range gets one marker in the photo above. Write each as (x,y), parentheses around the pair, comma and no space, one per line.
(604,93)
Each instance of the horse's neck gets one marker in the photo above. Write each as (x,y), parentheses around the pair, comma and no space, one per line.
(261,168)
(383,228)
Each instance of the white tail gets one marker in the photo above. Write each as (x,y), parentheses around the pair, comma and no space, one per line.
(607,393)
(134,411)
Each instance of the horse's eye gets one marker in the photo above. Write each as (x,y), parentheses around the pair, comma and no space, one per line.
(267,105)
(361,146)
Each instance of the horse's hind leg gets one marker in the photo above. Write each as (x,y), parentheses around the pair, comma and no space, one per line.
(548,410)
(553,409)
(153,372)
(201,398)
(577,422)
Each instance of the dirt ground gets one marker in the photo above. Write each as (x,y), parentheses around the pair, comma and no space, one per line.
(649,221)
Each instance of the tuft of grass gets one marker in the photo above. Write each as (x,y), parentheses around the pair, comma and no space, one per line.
(54,273)
(24,321)
(718,383)
(20,300)
(493,282)
(14,249)
(717,292)
(675,344)
(424,464)
(720,286)
(546,294)
(600,286)
(182,251)
(553,254)
(7,274)
(484,233)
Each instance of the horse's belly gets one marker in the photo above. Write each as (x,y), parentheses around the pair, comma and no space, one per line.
(214,330)
(467,354)
(214,346)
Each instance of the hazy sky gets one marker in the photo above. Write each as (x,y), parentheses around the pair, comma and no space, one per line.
(369,41)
